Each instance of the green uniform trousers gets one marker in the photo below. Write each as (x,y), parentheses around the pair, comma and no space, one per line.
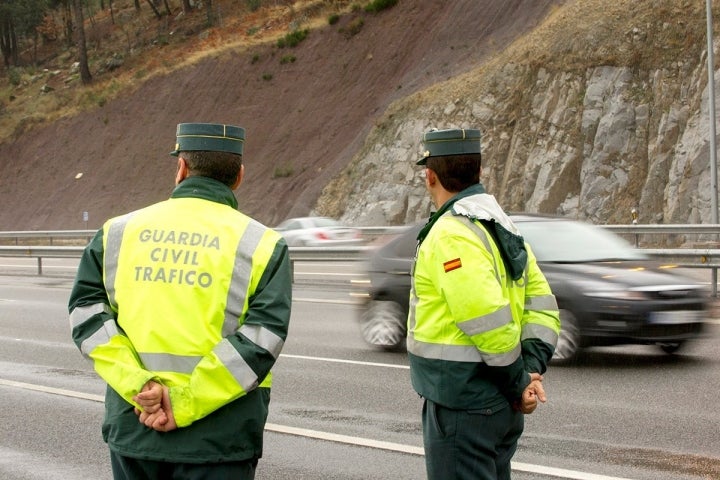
(469,444)
(126,468)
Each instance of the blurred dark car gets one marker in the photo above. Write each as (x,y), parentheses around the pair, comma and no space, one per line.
(318,232)
(608,292)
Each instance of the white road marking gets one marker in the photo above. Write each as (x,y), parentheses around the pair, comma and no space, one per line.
(341,360)
(561,472)
(334,437)
(41,343)
(53,390)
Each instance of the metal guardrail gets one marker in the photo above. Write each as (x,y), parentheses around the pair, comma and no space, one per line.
(87,235)
(637,229)
(302,254)
(41,252)
(665,229)
(50,235)
(684,257)
(699,257)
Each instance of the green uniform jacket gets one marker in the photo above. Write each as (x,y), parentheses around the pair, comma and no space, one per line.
(213,347)
(482,315)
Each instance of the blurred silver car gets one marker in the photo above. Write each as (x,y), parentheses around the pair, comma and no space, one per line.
(608,292)
(318,232)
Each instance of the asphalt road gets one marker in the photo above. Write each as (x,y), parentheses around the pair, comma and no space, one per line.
(343,411)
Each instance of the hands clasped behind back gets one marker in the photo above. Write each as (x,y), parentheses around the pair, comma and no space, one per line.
(156,409)
(533,393)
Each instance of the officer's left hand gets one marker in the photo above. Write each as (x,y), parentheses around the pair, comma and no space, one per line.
(163,420)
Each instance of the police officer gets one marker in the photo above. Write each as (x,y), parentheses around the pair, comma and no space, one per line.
(183,307)
(483,322)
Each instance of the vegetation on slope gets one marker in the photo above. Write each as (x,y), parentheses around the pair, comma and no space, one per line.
(127,46)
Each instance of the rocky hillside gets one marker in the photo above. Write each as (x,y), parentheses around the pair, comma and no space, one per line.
(600,109)
(588,108)
(306,109)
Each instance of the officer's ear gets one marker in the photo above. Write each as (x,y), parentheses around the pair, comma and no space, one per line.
(430,177)
(182,171)
(240,176)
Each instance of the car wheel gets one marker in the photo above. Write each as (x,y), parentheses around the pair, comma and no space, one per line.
(670,347)
(568,343)
(383,324)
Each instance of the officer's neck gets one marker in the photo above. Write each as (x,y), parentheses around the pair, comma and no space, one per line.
(440,196)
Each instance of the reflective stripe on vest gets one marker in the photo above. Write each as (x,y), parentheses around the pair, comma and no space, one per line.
(461,353)
(535,330)
(80,315)
(412,305)
(241,276)
(113,242)
(263,338)
(100,337)
(236,364)
(542,302)
(167,362)
(482,236)
(485,323)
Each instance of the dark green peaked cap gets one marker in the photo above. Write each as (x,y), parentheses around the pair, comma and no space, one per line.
(454,141)
(211,137)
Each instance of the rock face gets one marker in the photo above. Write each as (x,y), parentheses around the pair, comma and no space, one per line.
(588,108)
(623,125)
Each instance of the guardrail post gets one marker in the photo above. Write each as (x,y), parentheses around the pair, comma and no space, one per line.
(39,265)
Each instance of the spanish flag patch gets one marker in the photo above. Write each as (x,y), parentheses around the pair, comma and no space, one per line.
(451,265)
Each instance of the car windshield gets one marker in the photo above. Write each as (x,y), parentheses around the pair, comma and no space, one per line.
(570,241)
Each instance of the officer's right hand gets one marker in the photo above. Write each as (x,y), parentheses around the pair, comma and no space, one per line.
(531,395)
(162,420)
(149,398)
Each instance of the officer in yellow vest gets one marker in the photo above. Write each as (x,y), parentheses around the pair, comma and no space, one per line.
(483,322)
(183,307)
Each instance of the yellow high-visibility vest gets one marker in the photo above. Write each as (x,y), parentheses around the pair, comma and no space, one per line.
(464,306)
(179,292)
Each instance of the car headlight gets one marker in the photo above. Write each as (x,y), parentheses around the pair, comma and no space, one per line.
(609,291)
(617,294)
